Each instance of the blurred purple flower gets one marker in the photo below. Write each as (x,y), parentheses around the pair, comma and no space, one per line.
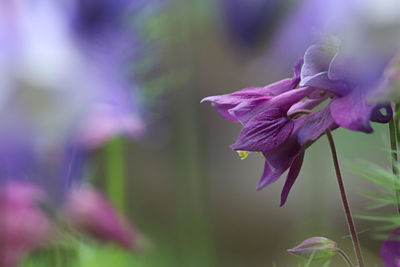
(369,32)
(390,249)
(248,21)
(62,93)
(87,210)
(91,17)
(23,225)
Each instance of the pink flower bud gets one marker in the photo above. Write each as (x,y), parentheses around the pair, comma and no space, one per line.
(321,247)
(90,212)
(23,225)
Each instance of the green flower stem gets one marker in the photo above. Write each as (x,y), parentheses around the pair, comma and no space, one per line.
(349,217)
(345,257)
(394,156)
(115,179)
(396,120)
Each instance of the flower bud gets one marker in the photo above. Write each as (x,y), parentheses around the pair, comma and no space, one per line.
(322,248)
(87,210)
(23,225)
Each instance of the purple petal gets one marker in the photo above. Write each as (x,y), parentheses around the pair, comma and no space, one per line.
(269,176)
(248,109)
(352,111)
(390,250)
(364,68)
(250,93)
(265,131)
(248,21)
(280,157)
(314,72)
(321,81)
(297,72)
(307,104)
(223,103)
(223,110)
(292,176)
(317,59)
(315,125)
(228,105)
(286,100)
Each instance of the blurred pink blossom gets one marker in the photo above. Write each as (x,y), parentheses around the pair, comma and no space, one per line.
(90,212)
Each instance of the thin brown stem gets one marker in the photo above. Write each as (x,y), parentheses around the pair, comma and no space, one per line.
(349,217)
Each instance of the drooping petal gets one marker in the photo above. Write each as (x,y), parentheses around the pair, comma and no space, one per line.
(266,131)
(352,111)
(390,249)
(282,156)
(269,176)
(315,125)
(292,176)
(239,106)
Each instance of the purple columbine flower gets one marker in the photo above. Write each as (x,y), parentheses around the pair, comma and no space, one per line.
(390,249)
(281,120)
(271,125)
